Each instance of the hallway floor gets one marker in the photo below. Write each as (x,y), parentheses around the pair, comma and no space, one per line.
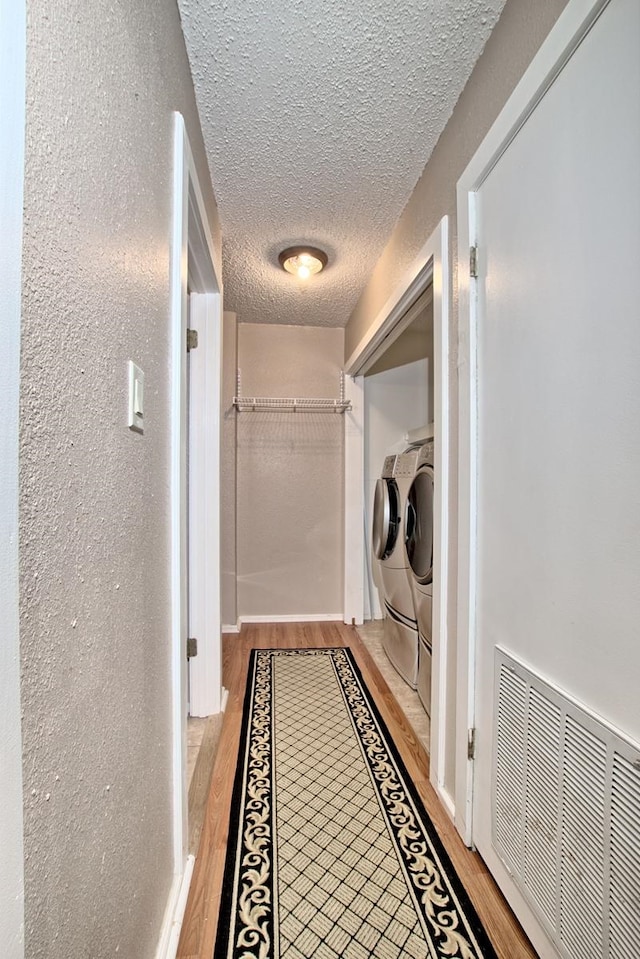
(199,927)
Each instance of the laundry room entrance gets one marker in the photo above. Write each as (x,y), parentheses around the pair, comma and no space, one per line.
(402,373)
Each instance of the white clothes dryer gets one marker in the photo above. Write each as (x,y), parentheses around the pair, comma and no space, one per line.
(400,631)
(419,553)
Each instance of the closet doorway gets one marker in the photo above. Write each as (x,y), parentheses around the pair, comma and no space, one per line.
(385,343)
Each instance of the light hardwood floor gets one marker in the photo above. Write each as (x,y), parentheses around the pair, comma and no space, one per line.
(199,927)
(407,698)
(195,734)
(203,736)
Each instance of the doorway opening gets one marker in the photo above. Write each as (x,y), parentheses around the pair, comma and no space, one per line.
(196,305)
(414,327)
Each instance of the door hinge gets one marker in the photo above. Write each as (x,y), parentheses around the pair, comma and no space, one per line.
(471,743)
(473,261)
(192,340)
(192,647)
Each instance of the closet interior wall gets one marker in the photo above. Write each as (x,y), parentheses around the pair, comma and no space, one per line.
(290,476)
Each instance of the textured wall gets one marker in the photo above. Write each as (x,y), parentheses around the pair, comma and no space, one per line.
(290,475)
(103,77)
(228,463)
(510,48)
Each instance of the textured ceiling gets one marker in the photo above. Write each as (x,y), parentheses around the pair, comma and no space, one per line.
(318,119)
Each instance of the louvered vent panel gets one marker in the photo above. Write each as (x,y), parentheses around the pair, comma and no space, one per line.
(541,808)
(510,763)
(582,843)
(624,895)
(566,815)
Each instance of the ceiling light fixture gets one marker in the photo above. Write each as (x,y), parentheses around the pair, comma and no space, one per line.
(302,261)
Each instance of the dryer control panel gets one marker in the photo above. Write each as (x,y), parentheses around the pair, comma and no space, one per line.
(425,457)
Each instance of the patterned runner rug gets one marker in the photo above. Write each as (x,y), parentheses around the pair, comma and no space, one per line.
(331,853)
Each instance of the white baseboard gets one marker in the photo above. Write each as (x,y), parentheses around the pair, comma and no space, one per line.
(227,628)
(446,799)
(224,696)
(295,618)
(174,913)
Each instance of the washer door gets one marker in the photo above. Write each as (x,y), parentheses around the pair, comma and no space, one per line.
(419,525)
(386,518)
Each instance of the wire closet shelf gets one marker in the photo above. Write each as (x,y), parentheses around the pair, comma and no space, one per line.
(253,404)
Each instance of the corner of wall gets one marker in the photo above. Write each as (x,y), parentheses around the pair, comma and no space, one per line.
(228,470)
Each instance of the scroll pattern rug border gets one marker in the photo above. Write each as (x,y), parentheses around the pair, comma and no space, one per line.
(246,923)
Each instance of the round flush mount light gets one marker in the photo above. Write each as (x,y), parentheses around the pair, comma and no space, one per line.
(302,261)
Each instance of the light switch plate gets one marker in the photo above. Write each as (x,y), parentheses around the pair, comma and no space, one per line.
(136,398)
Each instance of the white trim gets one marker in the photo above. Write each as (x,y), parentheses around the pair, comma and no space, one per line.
(448,802)
(295,618)
(569,30)
(12,114)
(354,554)
(205,372)
(174,913)
(226,628)
(179,262)
(190,247)
(431,265)
(205,670)
(415,280)
(466,571)
(439,254)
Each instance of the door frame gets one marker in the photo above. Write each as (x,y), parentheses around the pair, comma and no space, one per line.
(430,265)
(571,27)
(192,248)
(12,154)
(207,695)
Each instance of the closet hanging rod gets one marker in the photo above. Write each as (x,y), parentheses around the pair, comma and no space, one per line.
(251,404)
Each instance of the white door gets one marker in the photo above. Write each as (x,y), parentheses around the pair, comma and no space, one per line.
(558,417)
(203,504)
(188,518)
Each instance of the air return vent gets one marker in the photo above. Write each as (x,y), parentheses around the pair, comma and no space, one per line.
(566,815)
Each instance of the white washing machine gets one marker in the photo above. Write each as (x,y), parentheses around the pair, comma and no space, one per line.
(419,552)
(400,632)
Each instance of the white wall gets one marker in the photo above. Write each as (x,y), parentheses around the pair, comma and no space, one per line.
(395,401)
(12,79)
(228,464)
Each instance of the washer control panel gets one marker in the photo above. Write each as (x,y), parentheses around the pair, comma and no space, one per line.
(406,464)
(389,466)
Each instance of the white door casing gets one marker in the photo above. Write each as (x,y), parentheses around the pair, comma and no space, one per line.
(12,114)
(354,550)
(431,265)
(192,254)
(549,396)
